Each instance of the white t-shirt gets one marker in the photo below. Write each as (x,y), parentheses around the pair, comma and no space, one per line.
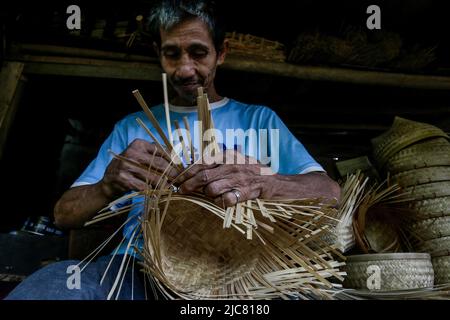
(255,129)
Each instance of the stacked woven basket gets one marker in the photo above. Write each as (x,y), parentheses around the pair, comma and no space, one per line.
(417,157)
(395,271)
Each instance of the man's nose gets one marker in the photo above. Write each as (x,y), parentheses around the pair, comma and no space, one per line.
(186,67)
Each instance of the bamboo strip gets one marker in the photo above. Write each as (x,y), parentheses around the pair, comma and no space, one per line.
(152,119)
(155,140)
(188,129)
(183,145)
(166,109)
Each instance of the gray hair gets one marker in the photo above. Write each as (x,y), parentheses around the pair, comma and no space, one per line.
(169,13)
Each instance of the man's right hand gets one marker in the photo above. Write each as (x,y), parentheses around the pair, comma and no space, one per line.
(122,176)
(79,204)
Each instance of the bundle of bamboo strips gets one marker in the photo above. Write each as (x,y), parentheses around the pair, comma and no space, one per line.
(353,192)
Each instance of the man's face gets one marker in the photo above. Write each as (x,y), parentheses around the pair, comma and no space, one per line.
(189,58)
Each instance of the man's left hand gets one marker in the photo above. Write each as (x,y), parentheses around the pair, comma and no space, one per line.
(228,178)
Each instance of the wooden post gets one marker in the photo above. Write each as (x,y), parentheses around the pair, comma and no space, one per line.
(11,85)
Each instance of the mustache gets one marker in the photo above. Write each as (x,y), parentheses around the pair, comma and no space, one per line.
(187,81)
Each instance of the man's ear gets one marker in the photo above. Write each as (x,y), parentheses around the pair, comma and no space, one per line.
(223,52)
(156,48)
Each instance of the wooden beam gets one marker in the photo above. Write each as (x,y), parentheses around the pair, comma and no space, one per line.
(123,65)
(312,73)
(11,84)
(85,67)
(40,49)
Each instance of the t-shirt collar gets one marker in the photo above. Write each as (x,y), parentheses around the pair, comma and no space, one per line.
(184,109)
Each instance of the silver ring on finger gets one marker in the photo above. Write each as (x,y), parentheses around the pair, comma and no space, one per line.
(237,193)
(205,176)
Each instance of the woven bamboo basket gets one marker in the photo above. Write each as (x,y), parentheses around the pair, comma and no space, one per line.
(192,256)
(441,266)
(398,271)
(430,208)
(428,229)
(422,176)
(422,155)
(377,224)
(199,255)
(345,238)
(381,236)
(342,233)
(402,134)
(429,190)
(433,246)
(342,237)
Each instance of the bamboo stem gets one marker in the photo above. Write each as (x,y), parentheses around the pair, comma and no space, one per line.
(183,145)
(152,119)
(188,130)
(166,108)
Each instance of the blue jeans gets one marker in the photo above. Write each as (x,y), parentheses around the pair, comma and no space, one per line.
(51,282)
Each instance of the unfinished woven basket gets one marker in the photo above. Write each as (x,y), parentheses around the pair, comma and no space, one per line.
(398,271)
(423,155)
(422,176)
(431,228)
(441,266)
(198,254)
(402,134)
(192,256)
(377,229)
(382,236)
(430,208)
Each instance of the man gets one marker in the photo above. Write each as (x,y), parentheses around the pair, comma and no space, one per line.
(190,45)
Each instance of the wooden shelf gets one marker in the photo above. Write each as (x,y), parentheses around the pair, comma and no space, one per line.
(85,67)
(54,60)
(313,73)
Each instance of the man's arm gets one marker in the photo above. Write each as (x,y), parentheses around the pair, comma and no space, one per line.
(218,181)
(309,185)
(79,204)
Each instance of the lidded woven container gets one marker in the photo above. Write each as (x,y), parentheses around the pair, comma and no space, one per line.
(441,266)
(397,271)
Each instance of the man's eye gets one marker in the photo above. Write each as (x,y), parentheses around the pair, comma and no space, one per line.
(171,53)
(199,53)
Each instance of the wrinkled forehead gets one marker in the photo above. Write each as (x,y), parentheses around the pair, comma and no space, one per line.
(191,30)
